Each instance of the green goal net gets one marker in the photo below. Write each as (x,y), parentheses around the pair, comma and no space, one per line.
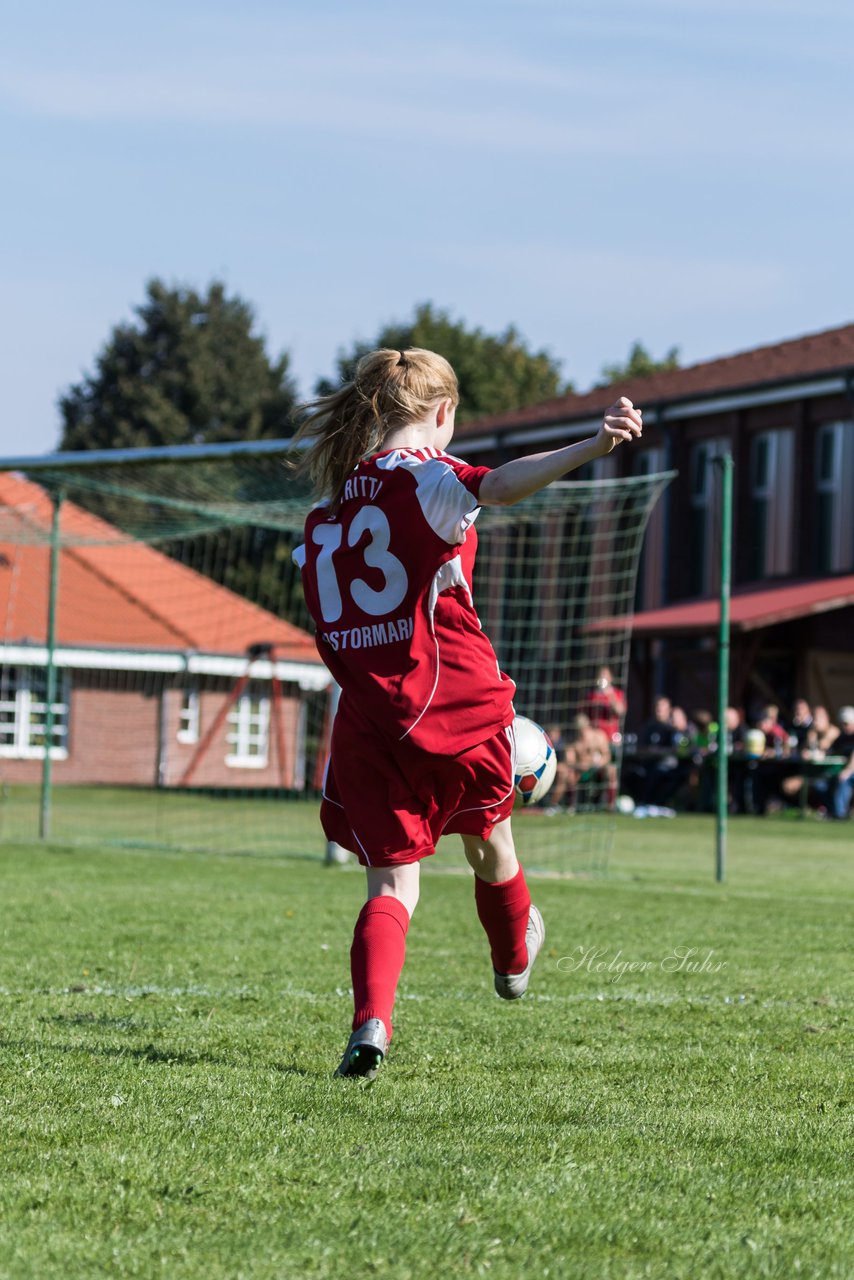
(159,683)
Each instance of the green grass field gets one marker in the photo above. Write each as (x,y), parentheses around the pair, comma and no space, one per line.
(171,1022)
(258,823)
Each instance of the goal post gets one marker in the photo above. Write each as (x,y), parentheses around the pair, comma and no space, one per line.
(159,682)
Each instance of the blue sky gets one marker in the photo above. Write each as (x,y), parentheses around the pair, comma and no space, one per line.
(678,171)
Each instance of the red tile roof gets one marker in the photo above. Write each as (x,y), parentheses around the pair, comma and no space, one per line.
(119,594)
(829,352)
(749,610)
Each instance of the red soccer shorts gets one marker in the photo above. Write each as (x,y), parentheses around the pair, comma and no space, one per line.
(389,805)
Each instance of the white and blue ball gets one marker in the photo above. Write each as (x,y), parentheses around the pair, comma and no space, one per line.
(536,762)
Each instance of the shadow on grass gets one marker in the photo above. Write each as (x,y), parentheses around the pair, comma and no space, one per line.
(95,1020)
(149,1053)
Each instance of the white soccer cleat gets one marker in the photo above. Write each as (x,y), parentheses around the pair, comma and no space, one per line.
(366,1049)
(511,986)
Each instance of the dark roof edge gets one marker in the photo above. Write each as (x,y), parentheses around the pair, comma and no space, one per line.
(503,426)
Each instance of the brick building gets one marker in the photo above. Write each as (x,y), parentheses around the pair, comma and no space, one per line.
(163,676)
(786,412)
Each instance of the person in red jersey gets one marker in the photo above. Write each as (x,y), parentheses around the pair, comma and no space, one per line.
(422,742)
(606,705)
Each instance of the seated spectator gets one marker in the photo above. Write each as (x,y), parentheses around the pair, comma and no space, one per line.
(735,731)
(658,732)
(804,734)
(705,730)
(682,729)
(801,721)
(822,737)
(821,734)
(589,766)
(776,738)
(741,764)
(765,780)
(662,775)
(701,779)
(558,741)
(843,783)
(606,705)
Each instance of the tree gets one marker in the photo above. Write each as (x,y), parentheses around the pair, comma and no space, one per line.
(189,370)
(640,364)
(496,372)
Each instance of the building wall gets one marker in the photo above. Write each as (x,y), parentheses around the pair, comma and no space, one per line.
(738,427)
(211,769)
(781,661)
(123,731)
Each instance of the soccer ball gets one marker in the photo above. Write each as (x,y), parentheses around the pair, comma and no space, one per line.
(536,762)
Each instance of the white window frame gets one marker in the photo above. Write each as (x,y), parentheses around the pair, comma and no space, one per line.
(838,486)
(776,493)
(249,726)
(189,714)
(29,713)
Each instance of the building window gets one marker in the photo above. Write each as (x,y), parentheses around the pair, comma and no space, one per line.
(705,516)
(771,480)
(834,483)
(248,736)
(23,713)
(188,718)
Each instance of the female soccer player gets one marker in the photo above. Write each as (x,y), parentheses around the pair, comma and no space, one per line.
(423,738)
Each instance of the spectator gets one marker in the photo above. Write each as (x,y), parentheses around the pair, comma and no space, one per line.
(820,738)
(705,730)
(680,725)
(843,745)
(588,759)
(740,782)
(734,726)
(766,782)
(801,722)
(658,732)
(822,734)
(606,705)
(704,740)
(658,738)
(776,738)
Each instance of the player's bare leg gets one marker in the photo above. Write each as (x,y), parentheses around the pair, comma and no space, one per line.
(512,924)
(376,960)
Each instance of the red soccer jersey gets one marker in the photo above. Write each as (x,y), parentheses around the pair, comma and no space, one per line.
(606,708)
(387,580)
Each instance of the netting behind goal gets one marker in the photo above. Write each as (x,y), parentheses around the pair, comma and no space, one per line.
(157,604)
(555,591)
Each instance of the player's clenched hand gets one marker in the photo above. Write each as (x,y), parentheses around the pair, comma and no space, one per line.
(622,422)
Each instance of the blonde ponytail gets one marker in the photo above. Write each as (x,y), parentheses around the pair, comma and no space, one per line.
(390,389)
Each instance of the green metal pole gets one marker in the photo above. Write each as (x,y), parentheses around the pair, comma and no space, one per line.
(50,669)
(726,464)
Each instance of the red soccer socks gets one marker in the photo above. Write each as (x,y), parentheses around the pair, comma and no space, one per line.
(503,910)
(376,958)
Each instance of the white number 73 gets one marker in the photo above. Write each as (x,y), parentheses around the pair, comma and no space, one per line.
(328,538)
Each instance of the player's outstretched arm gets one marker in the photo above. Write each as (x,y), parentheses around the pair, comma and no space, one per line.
(523,476)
